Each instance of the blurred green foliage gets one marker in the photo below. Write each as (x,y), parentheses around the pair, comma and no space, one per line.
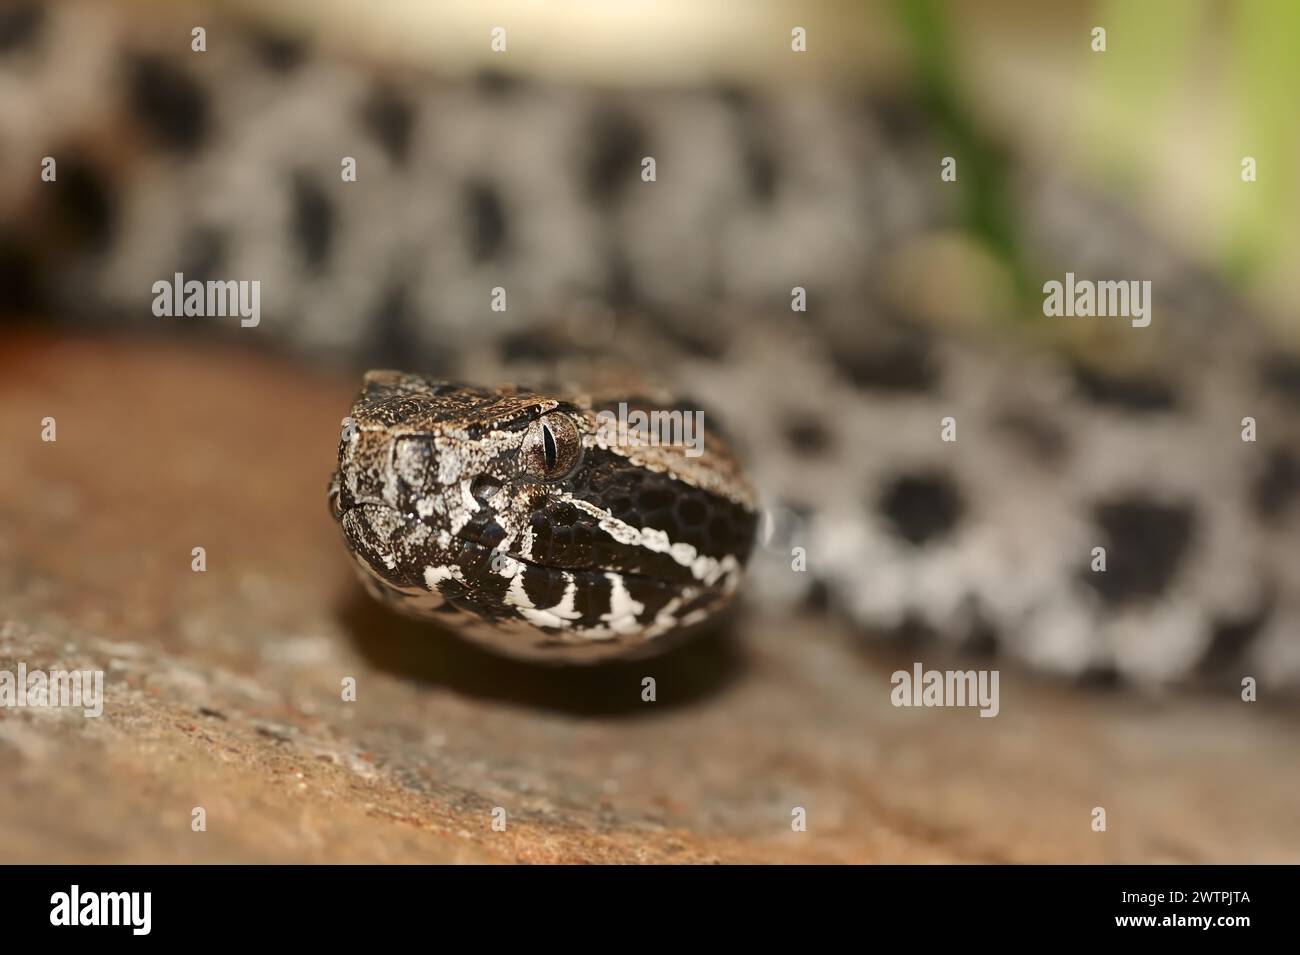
(1266,80)
(983,179)
(1159,53)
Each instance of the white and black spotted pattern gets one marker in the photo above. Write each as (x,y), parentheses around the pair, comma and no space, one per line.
(227,165)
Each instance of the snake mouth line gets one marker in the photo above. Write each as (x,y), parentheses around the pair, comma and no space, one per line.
(340,510)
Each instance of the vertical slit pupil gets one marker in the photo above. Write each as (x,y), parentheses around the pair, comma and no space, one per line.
(548,448)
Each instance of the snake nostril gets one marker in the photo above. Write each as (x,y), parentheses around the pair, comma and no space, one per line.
(337,493)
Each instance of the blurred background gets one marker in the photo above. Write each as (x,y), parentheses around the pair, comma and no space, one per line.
(1158,123)
(1161,120)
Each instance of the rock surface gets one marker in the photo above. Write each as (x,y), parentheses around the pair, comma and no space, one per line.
(223,688)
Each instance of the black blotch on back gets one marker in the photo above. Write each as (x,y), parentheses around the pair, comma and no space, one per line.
(921,507)
(168,102)
(1146,541)
(389,117)
(903,361)
(807,435)
(1278,484)
(1131,392)
(313,220)
(279,52)
(20,24)
(486,218)
(617,145)
(84,208)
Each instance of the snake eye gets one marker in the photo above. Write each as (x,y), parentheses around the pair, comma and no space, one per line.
(552,448)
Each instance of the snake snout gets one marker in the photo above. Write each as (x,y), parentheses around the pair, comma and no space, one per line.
(375,467)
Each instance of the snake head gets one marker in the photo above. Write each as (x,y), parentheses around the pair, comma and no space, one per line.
(527,521)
